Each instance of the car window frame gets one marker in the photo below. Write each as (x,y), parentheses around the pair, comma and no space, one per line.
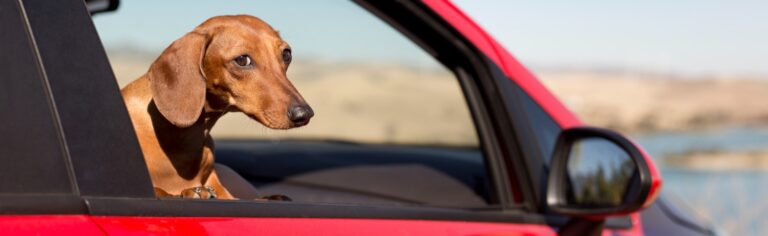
(478,78)
(466,71)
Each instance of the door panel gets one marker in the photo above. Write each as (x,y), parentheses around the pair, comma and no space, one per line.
(48,225)
(298,226)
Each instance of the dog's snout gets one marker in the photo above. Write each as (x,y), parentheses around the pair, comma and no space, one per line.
(300,114)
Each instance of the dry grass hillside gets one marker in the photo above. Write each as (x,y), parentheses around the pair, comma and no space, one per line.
(404,104)
(376,103)
(648,102)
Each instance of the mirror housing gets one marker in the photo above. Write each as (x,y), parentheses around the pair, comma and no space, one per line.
(597,173)
(99,6)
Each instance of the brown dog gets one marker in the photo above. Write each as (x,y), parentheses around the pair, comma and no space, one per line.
(227,63)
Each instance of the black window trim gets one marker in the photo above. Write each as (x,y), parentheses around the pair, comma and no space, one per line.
(25,86)
(103,153)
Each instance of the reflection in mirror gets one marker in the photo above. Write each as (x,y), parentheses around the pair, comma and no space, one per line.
(599,174)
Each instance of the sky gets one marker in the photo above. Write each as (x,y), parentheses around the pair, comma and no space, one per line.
(329,30)
(681,37)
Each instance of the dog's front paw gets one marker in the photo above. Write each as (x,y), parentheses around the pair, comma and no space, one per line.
(203,192)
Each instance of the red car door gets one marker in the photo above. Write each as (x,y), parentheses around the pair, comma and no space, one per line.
(301,226)
(101,186)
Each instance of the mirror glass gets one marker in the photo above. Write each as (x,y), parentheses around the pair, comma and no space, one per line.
(600,173)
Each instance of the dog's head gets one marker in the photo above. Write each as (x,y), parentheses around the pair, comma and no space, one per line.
(228,63)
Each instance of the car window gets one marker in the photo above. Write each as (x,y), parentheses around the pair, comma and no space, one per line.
(367,82)
(391,123)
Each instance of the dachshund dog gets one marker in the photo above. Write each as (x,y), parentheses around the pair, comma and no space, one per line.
(226,64)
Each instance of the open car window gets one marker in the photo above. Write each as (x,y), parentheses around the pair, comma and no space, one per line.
(391,124)
(366,81)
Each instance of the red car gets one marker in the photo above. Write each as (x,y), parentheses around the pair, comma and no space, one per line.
(71,163)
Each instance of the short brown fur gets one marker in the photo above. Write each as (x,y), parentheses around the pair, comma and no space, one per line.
(193,83)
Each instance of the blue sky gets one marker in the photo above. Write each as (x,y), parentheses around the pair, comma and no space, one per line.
(686,36)
(331,30)
(683,36)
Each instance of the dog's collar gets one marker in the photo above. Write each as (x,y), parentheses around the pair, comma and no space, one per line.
(196,192)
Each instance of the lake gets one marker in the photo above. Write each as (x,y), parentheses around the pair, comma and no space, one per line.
(736,200)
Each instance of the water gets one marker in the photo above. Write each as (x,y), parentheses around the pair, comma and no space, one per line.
(737,201)
(733,139)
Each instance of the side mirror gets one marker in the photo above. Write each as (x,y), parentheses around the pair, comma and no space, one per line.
(596,173)
(99,6)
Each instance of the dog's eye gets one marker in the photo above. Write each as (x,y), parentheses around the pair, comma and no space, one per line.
(287,56)
(243,60)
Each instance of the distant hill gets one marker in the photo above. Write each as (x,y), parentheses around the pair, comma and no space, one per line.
(651,102)
(628,101)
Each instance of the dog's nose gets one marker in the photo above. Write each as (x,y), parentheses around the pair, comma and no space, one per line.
(300,114)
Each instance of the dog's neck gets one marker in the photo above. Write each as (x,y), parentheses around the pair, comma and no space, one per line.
(186,147)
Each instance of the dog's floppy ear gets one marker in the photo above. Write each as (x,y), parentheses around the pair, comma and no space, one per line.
(178,82)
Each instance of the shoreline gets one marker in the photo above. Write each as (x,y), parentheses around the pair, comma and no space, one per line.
(719,161)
